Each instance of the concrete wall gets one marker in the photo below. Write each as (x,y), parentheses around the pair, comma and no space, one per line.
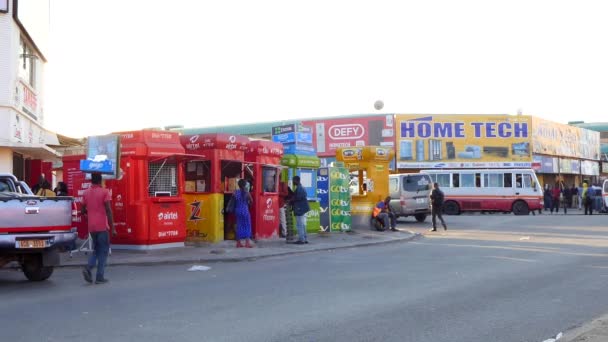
(6,52)
(6,160)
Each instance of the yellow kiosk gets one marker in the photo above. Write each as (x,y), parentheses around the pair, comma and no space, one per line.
(369,170)
(209,182)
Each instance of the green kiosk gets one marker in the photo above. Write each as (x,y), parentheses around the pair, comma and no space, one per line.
(306,167)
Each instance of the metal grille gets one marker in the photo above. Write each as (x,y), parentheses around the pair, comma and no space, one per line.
(162,177)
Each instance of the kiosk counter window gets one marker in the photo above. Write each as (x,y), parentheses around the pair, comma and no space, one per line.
(198,176)
(231,172)
(270,182)
(163,179)
(360,185)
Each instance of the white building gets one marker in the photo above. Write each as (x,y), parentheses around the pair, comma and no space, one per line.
(24,142)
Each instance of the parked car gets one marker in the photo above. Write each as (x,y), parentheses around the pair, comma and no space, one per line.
(410,195)
(33,229)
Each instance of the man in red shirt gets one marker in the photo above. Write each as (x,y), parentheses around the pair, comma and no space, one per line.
(96,205)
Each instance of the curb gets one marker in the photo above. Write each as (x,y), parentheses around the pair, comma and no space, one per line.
(413,236)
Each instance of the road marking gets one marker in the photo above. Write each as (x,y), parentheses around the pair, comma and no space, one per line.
(511,248)
(512,259)
(594,266)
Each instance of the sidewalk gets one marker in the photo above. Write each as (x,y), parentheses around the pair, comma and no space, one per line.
(226,251)
(594,331)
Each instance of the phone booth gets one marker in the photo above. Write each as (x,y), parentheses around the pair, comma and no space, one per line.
(146,201)
(147,205)
(369,170)
(306,167)
(209,182)
(262,171)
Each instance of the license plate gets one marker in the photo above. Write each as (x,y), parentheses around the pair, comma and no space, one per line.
(31,243)
(419,200)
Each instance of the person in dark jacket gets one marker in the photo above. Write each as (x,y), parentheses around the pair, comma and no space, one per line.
(61,189)
(299,201)
(574,197)
(437,198)
(38,186)
(548,197)
(567,198)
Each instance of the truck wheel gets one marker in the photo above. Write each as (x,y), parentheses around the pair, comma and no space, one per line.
(34,270)
(420,217)
(520,208)
(451,208)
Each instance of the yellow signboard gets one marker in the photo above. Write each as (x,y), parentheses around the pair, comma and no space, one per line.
(463,141)
(562,140)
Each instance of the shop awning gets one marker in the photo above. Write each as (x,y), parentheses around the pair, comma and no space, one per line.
(42,152)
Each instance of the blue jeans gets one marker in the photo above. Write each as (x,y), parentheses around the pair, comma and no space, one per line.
(101,247)
(301,225)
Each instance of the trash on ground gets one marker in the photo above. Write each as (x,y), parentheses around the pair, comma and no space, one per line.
(199,268)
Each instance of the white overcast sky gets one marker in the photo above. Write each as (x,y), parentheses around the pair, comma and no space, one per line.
(139,63)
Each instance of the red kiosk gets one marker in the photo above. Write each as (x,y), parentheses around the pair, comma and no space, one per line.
(209,182)
(146,200)
(263,173)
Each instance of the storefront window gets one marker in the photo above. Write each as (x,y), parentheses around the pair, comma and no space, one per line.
(198,176)
(27,63)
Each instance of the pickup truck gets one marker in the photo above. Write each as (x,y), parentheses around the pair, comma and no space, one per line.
(33,229)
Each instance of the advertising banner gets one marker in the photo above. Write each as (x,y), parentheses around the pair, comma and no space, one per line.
(296,139)
(557,139)
(102,155)
(590,168)
(331,134)
(549,165)
(323,195)
(463,141)
(569,166)
(339,199)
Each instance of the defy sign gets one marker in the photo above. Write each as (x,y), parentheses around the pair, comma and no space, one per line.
(331,134)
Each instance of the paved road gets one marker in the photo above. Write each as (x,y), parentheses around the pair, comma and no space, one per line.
(489,278)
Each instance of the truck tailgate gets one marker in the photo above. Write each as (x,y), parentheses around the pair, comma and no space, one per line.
(27,213)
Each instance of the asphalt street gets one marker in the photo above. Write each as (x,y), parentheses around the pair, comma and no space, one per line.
(488,278)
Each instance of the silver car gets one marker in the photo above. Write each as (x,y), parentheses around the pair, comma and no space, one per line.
(410,195)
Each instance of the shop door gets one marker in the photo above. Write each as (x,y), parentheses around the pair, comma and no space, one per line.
(18,166)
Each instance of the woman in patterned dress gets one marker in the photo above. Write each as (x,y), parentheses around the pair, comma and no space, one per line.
(243,201)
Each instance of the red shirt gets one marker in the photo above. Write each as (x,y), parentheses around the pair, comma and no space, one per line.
(95,199)
(283,193)
(556,192)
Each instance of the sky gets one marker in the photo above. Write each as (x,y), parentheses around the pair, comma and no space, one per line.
(150,63)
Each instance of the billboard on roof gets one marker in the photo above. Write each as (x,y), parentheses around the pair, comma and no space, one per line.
(463,141)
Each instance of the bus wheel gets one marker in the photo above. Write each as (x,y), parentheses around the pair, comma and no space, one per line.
(451,208)
(520,208)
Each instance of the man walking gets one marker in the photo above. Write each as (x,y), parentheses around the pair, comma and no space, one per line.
(300,205)
(437,207)
(96,205)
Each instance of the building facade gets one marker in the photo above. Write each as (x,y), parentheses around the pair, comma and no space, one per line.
(24,142)
(557,152)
